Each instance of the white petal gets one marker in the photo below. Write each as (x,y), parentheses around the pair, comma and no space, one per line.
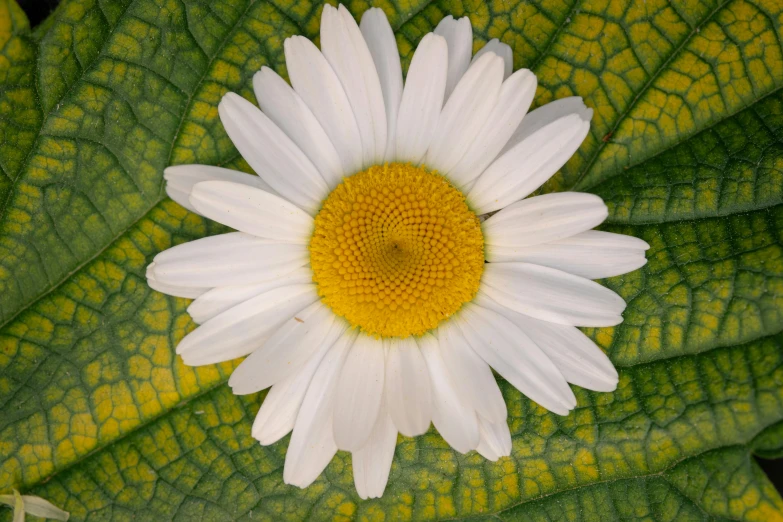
(242,329)
(188,292)
(181,178)
(422,99)
(542,219)
(577,357)
(271,153)
(454,419)
(312,443)
(487,451)
(524,168)
(516,358)
(383,47)
(591,254)
(176,291)
(235,258)
(495,440)
(466,190)
(32,505)
(472,376)
(316,82)
(344,48)
(287,349)
(289,112)
(251,210)
(18,504)
(359,393)
(502,50)
(218,300)
(552,295)
(277,414)
(372,463)
(465,112)
(459,36)
(515,97)
(408,387)
(545,115)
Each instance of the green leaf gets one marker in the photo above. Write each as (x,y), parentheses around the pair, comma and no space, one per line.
(102,419)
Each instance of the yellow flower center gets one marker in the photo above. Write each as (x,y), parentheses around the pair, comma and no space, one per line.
(396,250)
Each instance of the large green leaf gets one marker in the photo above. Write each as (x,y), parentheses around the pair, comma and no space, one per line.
(101,418)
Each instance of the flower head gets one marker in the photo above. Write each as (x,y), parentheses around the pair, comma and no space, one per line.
(387,256)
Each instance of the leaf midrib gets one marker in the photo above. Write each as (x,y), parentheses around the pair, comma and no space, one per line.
(673,146)
(663,67)
(237,24)
(161,191)
(65,278)
(176,408)
(659,474)
(566,20)
(404,19)
(45,115)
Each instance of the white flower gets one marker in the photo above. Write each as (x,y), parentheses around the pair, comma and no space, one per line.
(362,283)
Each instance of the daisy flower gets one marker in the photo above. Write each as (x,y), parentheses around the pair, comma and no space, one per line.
(387,257)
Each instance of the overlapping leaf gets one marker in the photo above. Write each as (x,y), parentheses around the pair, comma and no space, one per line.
(101,418)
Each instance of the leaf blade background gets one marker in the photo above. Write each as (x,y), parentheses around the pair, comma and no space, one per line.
(101,418)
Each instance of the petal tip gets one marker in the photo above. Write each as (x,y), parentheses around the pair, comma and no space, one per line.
(230,97)
(586,115)
(170,171)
